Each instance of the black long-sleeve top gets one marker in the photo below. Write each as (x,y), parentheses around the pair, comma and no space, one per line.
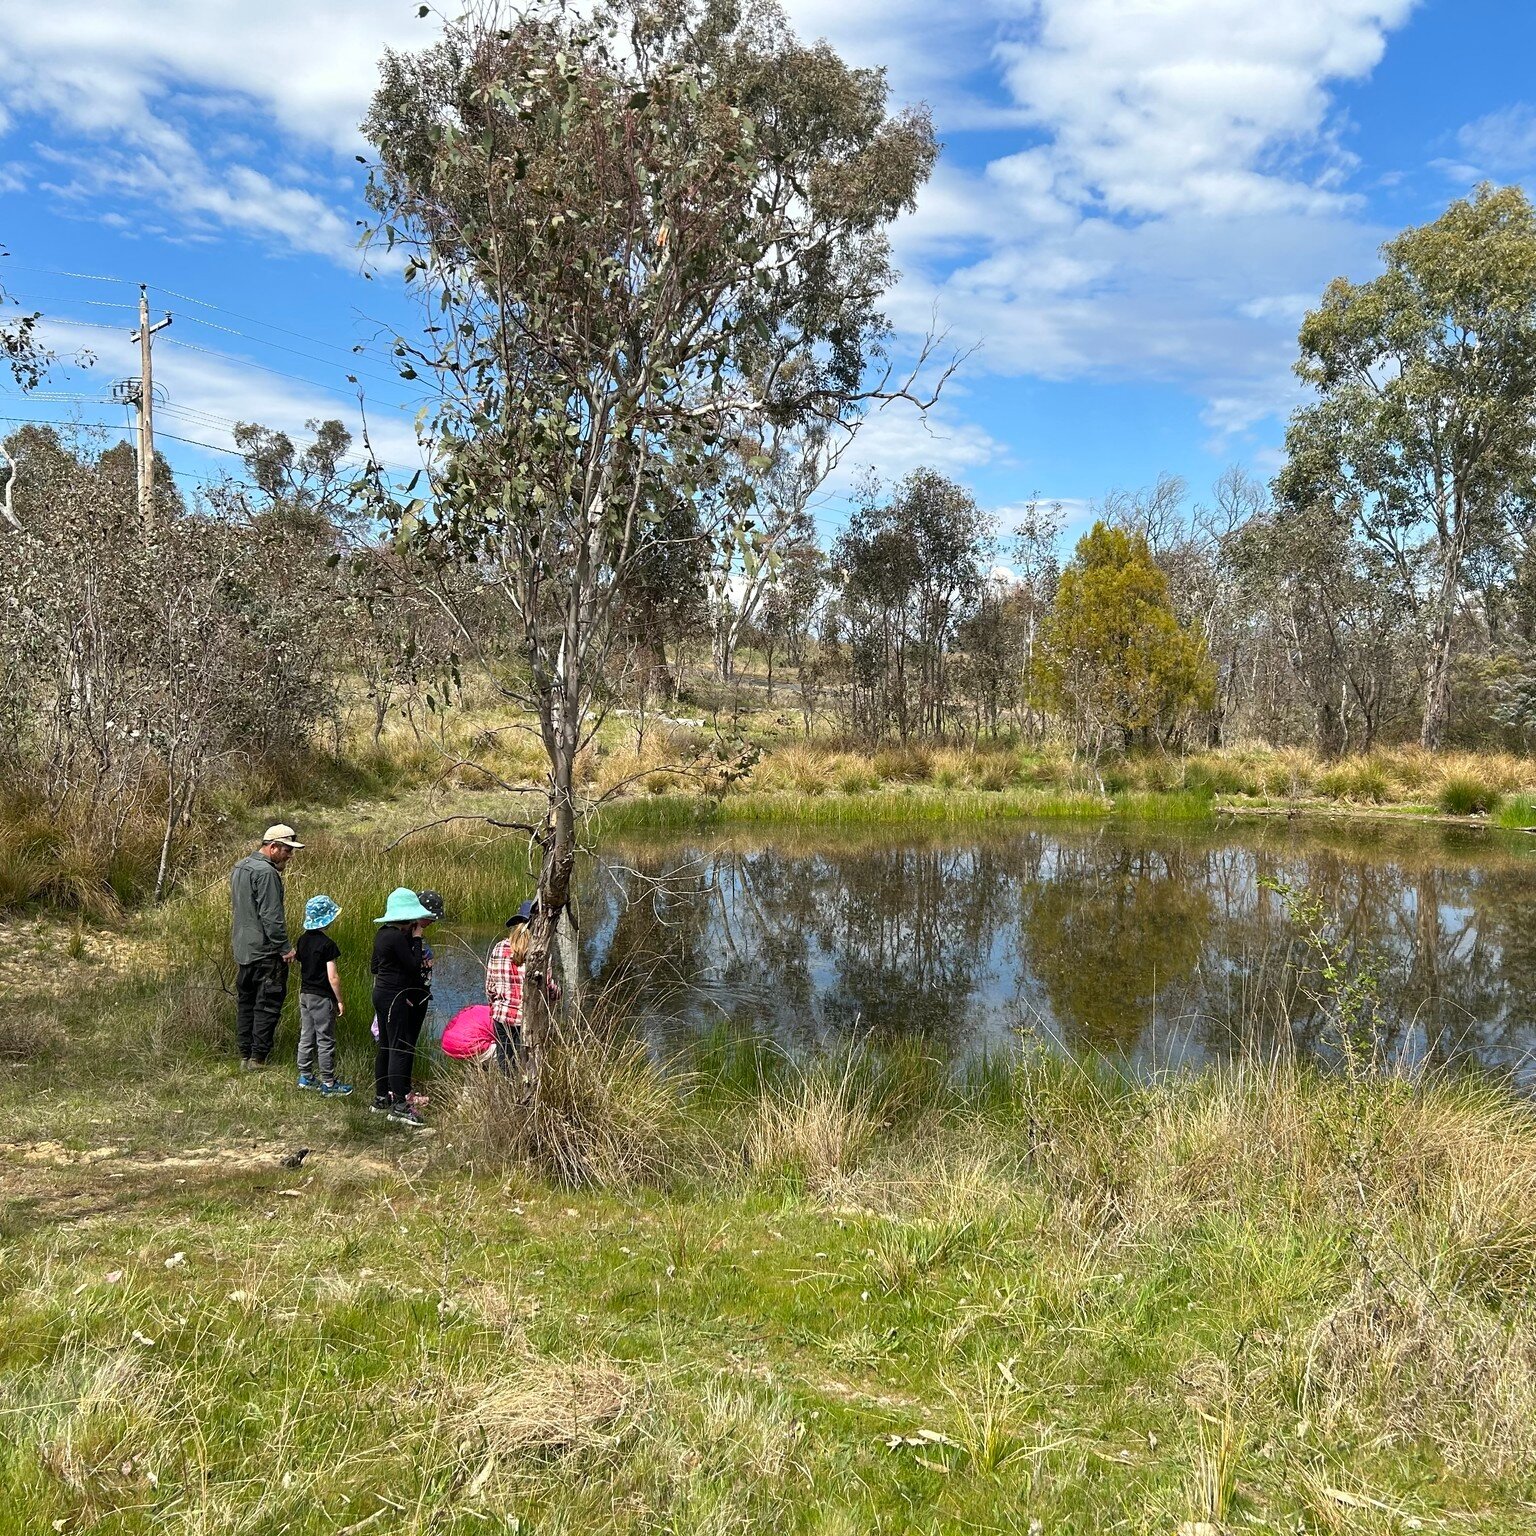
(397,963)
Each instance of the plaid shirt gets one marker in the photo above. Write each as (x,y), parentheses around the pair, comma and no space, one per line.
(504,987)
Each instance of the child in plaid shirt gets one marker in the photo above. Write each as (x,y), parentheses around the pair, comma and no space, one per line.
(504,986)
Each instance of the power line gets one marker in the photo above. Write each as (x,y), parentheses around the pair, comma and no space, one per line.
(89,277)
(188,298)
(198,417)
(203,418)
(261,341)
(246,362)
(191,442)
(253,320)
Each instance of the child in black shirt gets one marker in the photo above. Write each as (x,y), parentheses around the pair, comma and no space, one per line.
(320,1001)
(400,998)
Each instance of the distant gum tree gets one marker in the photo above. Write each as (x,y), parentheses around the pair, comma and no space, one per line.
(1113,661)
(1424,430)
(638,230)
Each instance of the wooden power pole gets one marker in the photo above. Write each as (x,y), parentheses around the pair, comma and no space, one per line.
(146,405)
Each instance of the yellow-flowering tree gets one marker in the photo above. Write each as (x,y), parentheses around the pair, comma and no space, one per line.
(1114,662)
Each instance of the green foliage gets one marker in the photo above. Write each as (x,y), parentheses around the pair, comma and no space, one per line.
(1113,658)
(1424,431)
(644,235)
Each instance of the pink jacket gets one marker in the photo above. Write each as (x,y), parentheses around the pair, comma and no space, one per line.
(470,1032)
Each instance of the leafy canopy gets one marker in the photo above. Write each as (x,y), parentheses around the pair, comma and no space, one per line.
(1113,658)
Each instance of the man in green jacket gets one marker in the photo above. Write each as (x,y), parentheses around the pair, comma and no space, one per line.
(259,935)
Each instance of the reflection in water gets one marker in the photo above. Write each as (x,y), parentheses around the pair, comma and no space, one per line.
(1160,945)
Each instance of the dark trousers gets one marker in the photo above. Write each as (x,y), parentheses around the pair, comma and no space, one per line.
(260,990)
(401,1015)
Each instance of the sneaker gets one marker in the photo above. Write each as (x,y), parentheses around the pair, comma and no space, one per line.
(381,1105)
(403,1114)
(254,1064)
(306,1081)
(335,1090)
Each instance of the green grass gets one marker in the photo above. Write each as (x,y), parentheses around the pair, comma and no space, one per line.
(874,807)
(739,1294)
(1517,812)
(1469,794)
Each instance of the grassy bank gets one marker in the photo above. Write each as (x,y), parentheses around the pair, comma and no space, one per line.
(739,1296)
(660,773)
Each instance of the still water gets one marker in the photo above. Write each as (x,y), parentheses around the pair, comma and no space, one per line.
(1160,946)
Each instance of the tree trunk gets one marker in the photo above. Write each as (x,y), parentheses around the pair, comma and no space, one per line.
(1437,683)
(570,961)
(1437,678)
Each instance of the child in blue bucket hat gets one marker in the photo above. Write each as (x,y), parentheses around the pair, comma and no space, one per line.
(400,999)
(320,1001)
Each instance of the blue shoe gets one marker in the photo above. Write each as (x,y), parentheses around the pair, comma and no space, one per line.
(335,1090)
(306,1081)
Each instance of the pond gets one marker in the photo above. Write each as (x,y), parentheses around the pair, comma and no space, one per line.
(1160,946)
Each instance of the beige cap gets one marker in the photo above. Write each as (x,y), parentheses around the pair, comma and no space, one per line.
(282,833)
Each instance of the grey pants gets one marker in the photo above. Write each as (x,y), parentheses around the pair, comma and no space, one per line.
(317,1034)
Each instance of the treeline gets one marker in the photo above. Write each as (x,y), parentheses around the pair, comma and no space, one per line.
(1380,589)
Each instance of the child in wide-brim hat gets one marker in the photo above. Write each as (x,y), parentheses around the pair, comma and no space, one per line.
(400,999)
(320,999)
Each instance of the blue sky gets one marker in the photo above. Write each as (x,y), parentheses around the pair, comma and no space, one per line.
(1137,200)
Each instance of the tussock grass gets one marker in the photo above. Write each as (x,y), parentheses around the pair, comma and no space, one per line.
(603,1113)
(1466,793)
(540,1405)
(817,1127)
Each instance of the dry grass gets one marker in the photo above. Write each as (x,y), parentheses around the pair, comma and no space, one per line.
(603,1114)
(540,1406)
(818,1126)
(1424,1366)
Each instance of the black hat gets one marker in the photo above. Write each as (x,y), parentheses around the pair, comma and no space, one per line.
(433,902)
(524,913)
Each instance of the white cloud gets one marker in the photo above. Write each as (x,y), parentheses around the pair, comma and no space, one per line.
(1502,143)
(151,96)
(1179,201)
(899,439)
(1177,183)
(1192,104)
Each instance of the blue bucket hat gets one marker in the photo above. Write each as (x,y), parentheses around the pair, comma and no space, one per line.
(524,913)
(320,912)
(404,906)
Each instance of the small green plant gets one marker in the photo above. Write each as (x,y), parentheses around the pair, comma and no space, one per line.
(1344,987)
